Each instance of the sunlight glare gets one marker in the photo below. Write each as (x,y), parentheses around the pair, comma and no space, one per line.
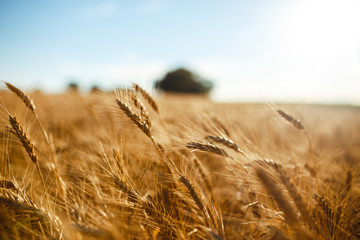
(320,29)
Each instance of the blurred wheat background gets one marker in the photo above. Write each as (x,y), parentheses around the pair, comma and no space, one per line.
(127,165)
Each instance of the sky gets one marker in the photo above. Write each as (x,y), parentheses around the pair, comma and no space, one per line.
(264,50)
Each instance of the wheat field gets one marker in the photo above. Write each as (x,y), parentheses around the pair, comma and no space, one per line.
(129,165)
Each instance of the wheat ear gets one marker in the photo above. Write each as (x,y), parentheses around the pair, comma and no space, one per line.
(27,220)
(207,148)
(296,196)
(148,206)
(147,97)
(25,98)
(225,141)
(26,142)
(295,122)
(8,185)
(135,118)
(139,105)
(298,125)
(190,187)
(278,196)
(30,105)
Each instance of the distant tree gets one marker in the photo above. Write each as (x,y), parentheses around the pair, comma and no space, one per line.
(95,89)
(183,81)
(73,87)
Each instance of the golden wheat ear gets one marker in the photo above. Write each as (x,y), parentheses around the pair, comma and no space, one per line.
(207,148)
(197,199)
(140,106)
(225,141)
(147,97)
(278,195)
(26,143)
(25,98)
(295,122)
(135,118)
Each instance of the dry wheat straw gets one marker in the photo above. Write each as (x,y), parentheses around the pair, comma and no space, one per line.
(148,206)
(219,124)
(332,219)
(208,186)
(147,97)
(348,182)
(93,232)
(207,148)
(26,142)
(225,141)
(277,234)
(295,122)
(204,178)
(26,99)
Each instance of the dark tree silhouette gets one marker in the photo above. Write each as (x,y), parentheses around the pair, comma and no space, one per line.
(183,81)
(73,86)
(95,89)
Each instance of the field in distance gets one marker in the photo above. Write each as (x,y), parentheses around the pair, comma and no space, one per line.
(128,165)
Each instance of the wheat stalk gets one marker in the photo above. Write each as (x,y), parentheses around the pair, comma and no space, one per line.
(348,183)
(202,172)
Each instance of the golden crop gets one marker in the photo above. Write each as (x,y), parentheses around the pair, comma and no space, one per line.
(127,166)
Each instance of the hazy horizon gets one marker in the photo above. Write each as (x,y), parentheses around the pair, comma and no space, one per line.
(306,51)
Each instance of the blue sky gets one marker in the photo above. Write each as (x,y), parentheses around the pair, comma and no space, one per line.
(273,50)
